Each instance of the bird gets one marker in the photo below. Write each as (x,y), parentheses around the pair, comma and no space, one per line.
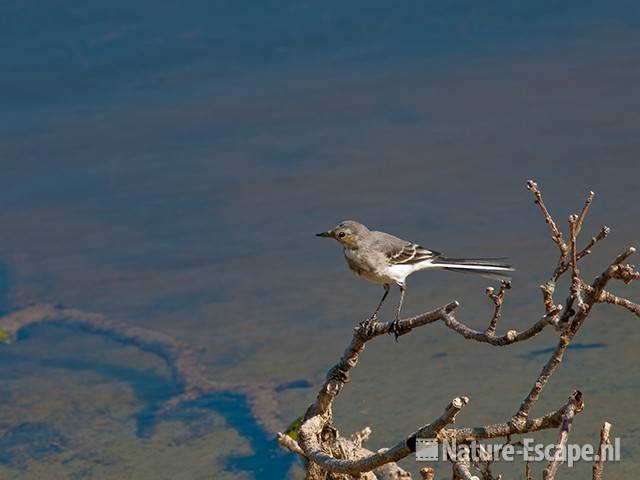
(382,258)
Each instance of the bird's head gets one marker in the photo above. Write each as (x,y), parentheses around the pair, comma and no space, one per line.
(349,233)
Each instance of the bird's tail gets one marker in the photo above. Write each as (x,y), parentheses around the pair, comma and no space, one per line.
(487,267)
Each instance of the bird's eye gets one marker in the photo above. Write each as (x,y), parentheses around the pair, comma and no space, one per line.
(341,234)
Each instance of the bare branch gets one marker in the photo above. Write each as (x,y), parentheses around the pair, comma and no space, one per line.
(318,437)
(289,443)
(562,266)
(427,473)
(583,213)
(608,297)
(587,249)
(527,471)
(367,330)
(576,292)
(615,270)
(468,434)
(461,471)
(311,429)
(511,336)
(388,471)
(553,310)
(598,466)
(358,438)
(497,299)
(576,404)
(483,464)
(555,233)
(353,449)
(623,256)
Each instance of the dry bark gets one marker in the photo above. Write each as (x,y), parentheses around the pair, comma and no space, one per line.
(576,404)
(598,465)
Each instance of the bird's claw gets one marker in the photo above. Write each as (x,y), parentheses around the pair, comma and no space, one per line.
(367,323)
(395,328)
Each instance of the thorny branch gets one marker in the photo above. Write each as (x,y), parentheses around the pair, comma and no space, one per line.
(319,443)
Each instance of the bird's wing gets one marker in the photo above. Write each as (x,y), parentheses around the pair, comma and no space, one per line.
(401,252)
(409,254)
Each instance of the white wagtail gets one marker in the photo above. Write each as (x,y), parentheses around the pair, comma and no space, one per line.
(384,259)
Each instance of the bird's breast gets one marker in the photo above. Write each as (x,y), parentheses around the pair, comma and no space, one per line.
(364,266)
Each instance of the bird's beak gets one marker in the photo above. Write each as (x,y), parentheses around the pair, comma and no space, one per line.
(328,234)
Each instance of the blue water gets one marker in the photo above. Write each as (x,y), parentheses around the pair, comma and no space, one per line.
(268,459)
(169,162)
(29,441)
(151,390)
(68,54)
(4,289)
(572,346)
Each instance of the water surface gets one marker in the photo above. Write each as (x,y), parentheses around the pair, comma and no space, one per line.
(168,165)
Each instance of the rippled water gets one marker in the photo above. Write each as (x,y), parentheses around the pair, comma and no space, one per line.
(168,165)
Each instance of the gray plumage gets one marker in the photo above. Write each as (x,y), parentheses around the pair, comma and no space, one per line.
(385,259)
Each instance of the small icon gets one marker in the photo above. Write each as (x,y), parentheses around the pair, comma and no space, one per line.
(426,449)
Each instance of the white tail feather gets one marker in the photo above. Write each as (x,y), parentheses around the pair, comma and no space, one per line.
(464,266)
(494,271)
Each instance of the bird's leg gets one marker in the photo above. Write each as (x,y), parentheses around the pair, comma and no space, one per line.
(384,296)
(396,323)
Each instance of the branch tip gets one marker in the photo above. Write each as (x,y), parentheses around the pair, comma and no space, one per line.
(624,255)
(598,465)
(451,306)
(427,473)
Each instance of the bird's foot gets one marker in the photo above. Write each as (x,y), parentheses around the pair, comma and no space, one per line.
(367,323)
(395,328)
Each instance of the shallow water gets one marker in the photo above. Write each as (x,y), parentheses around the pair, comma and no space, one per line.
(26,441)
(168,165)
